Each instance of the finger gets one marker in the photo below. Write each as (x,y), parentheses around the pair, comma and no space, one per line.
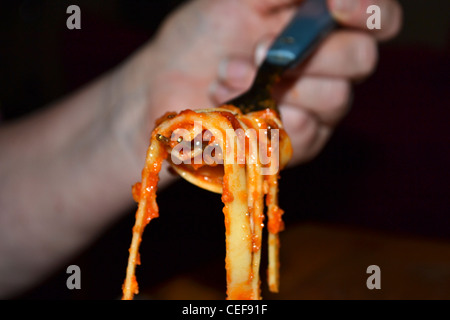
(235,75)
(347,54)
(265,6)
(326,98)
(236,72)
(307,135)
(355,13)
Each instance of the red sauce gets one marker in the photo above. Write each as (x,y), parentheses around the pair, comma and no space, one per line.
(240,292)
(256,243)
(133,287)
(275,223)
(232,119)
(226,219)
(227,196)
(149,196)
(136,191)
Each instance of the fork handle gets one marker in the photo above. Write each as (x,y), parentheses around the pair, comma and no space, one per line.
(311,23)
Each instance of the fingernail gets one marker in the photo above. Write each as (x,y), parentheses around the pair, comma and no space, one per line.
(343,8)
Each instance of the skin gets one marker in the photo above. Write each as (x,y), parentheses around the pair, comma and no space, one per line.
(66,172)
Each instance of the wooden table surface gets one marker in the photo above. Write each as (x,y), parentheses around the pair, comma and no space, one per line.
(330,262)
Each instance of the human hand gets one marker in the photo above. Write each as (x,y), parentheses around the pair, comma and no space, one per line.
(206,52)
(316,96)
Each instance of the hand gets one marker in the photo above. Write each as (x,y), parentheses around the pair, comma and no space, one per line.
(316,96)
(202,56)
(206,52)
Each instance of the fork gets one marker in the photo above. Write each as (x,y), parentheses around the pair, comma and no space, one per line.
(310,25)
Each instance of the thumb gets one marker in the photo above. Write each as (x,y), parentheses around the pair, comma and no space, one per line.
(234,76)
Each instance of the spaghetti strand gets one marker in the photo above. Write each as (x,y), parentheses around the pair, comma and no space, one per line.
(243,186)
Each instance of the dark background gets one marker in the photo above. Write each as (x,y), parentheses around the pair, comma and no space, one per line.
(385,168)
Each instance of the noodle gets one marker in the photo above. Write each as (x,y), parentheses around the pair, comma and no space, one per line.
(226,152)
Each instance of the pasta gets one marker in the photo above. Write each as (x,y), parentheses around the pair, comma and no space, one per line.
(234,154)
